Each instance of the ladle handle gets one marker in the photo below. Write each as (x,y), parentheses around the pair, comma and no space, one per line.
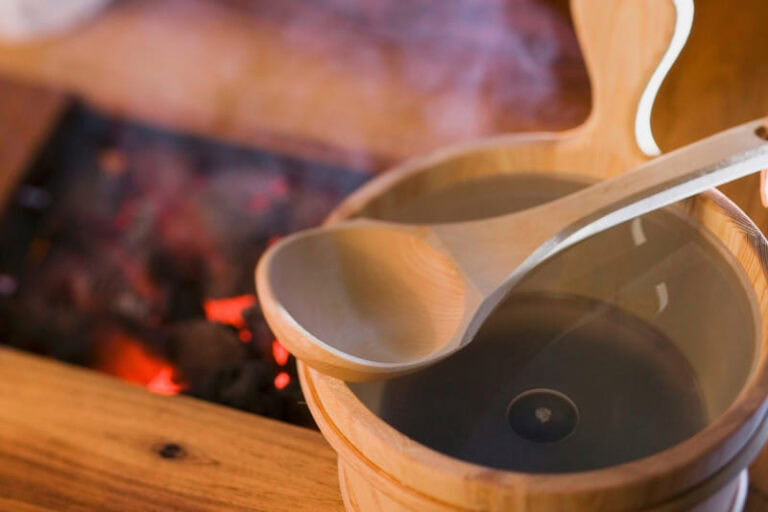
(624,44)
(683,173)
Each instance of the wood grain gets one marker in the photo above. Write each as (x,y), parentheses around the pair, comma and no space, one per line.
(72,439)
(363,84)
(349,299)
(619,62)
(603,146)
(712,87)
(720,80)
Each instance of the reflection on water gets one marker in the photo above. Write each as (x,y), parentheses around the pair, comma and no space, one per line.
(629,326)
(635,393)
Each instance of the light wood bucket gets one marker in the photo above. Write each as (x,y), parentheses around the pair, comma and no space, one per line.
(713,307)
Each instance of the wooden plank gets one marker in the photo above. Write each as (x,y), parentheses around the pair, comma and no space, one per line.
(169,44)
(719,81)
(363,84)
(73,439)
(27,116)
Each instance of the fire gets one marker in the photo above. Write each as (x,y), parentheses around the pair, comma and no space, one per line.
(282,380)
(127,358)
(229,310)
(280,353)
(113,161)
(163,383)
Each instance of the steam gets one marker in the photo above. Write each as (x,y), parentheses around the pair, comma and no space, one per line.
(444,71)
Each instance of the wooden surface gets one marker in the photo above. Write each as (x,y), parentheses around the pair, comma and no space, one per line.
(619,61)
(72,439)
(712,87)
(392,80)
(321,281)
(27,116)
(279,76)
(720,80)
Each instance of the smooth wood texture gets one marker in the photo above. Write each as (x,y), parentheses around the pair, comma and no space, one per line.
(445,483)
(620,62)
(403,470)
(364,300)
(718,81)
(72,439)
(235,41)
(366,489)
(27,116)
(354,430)
(364,84)
(604,146)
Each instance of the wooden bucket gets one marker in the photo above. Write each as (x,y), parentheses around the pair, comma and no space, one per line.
(715,252)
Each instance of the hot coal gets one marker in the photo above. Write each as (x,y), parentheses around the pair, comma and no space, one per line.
(131,250)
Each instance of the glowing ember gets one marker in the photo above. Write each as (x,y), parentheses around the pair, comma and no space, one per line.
(125,357)
(163,383)
(145,280)
(280,353)
(113,161)
(229,310)
(245,335)
(282,380)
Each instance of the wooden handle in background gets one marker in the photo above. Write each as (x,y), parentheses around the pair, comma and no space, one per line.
(623,44)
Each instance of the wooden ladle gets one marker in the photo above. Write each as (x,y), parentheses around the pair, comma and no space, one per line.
(364,299)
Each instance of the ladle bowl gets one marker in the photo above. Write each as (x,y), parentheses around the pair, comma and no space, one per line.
(705,301)
(366,300)
(664,362)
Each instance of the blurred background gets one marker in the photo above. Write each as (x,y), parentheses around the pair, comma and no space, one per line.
(150,151)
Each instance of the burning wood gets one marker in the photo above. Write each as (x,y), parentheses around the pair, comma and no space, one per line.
(132,251)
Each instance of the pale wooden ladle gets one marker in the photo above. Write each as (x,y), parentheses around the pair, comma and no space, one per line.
(365,299)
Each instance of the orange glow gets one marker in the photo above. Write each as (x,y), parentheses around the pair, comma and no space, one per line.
(245,335)
(127,358)
(163,384)
(273,240)
(113,161)
(282,380)
(280,353)
(229,310)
